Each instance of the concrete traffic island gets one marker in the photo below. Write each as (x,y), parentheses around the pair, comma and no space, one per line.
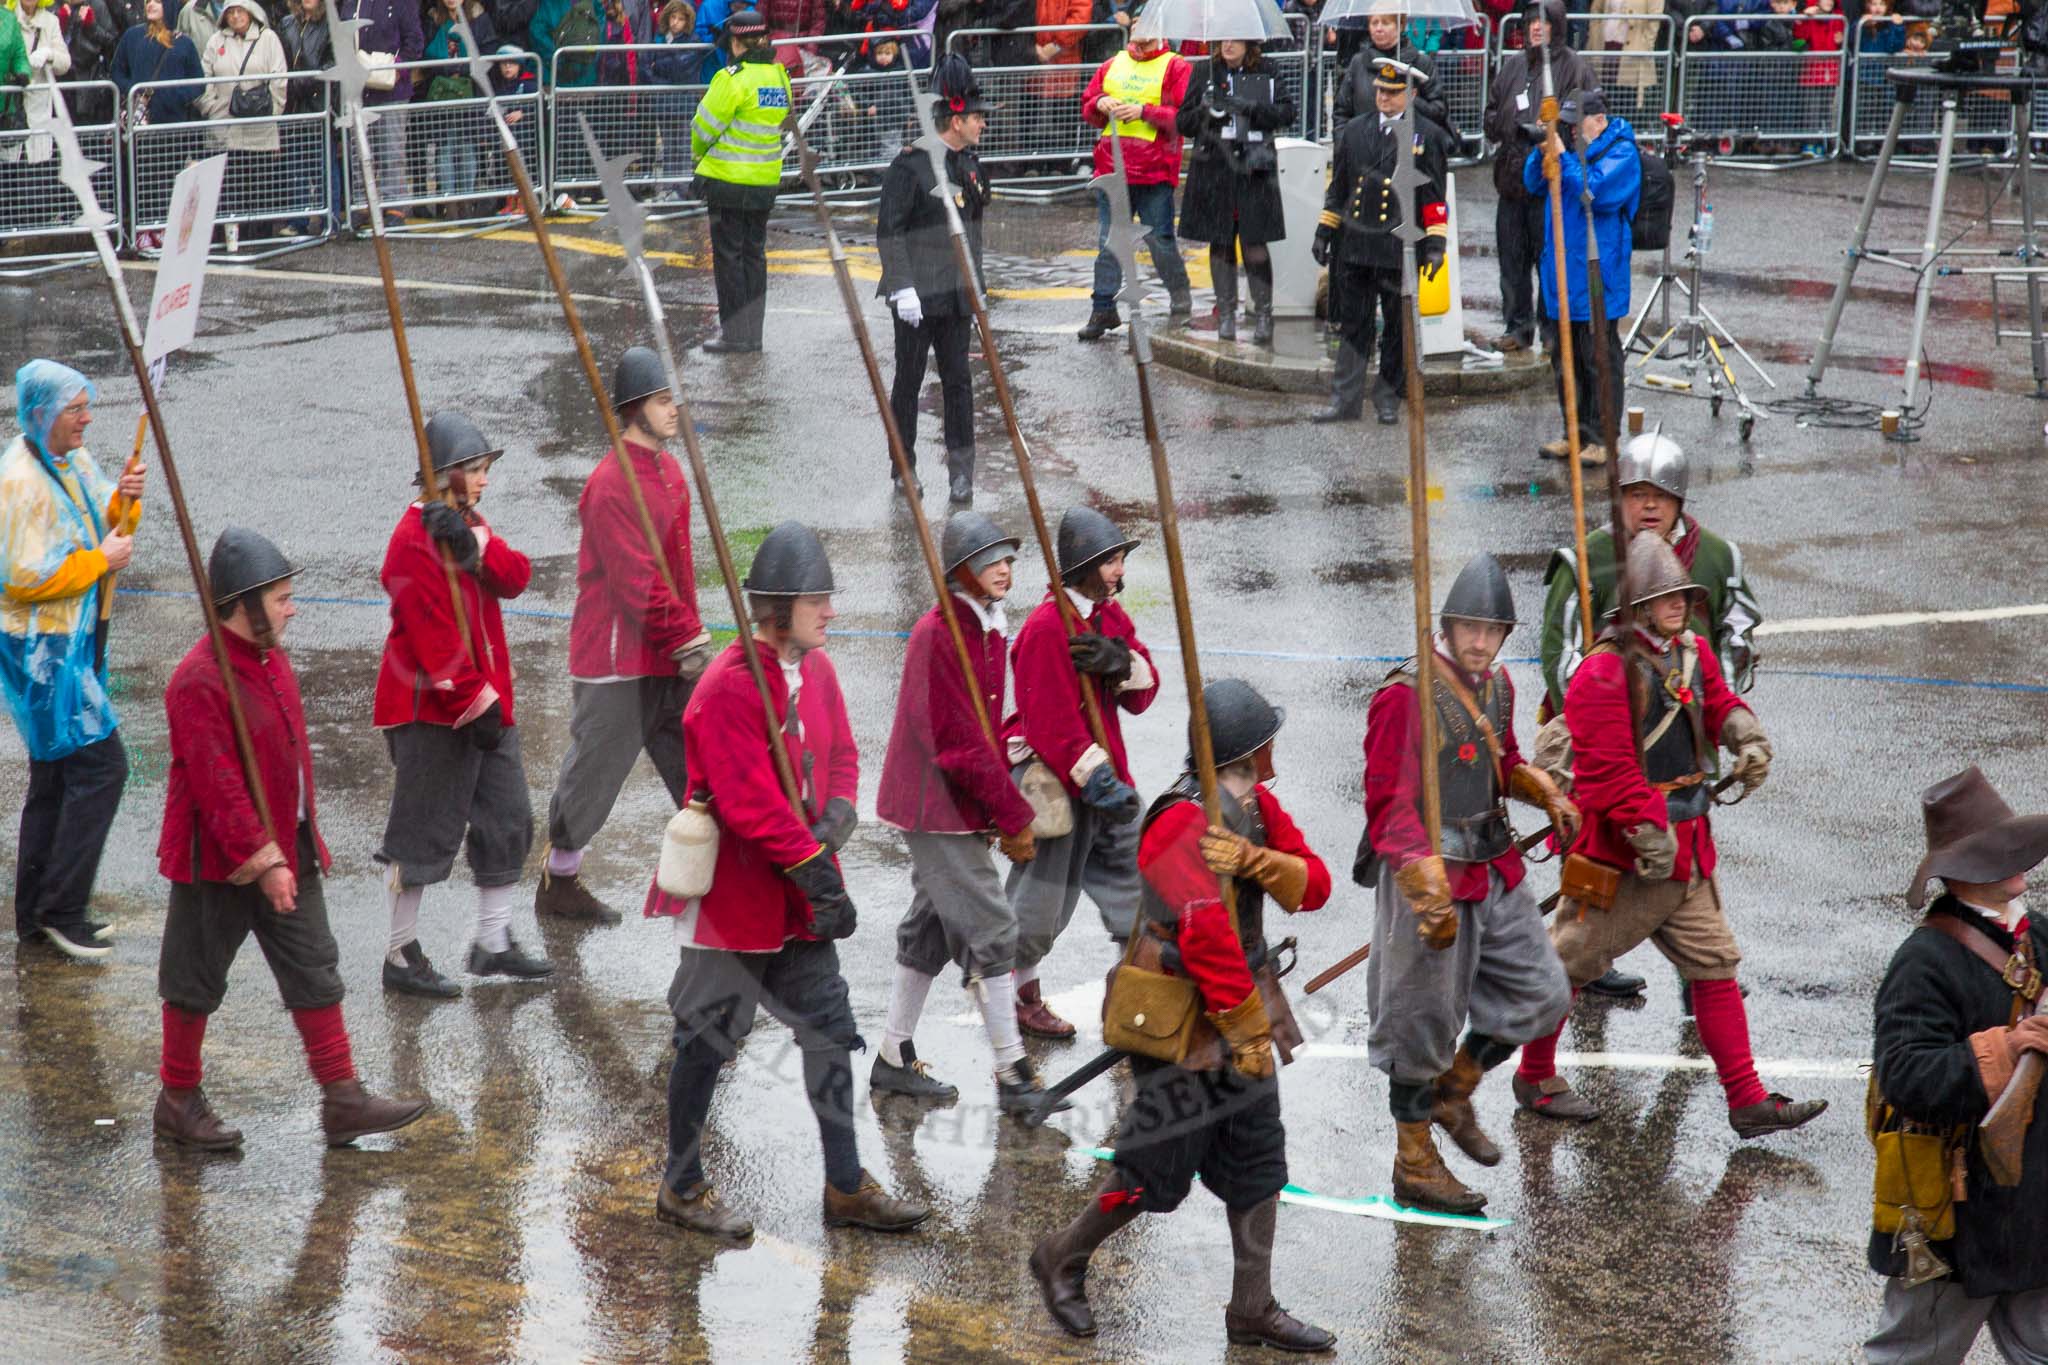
(1300,362)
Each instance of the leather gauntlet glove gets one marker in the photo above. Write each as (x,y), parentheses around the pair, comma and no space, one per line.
(1020,847)
(1283,876)
(1656,852)
(1531,784)
(1249,1035)
(1427,888)
(1743,735)
(835,825)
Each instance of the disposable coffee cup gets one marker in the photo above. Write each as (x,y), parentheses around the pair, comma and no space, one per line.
(1888,421)
(1635,421)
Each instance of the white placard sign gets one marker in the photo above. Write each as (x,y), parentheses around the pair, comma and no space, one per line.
(181,272)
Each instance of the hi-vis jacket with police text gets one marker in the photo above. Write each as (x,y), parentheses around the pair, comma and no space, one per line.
(736,136)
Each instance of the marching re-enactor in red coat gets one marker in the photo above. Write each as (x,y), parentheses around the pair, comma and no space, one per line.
(1100,855)
(1645,790)
(444,704)
(635,647)
(229,877)
(946,785)
(761,936)
(1215,1114)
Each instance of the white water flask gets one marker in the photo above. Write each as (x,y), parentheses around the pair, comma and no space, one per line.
(689,851)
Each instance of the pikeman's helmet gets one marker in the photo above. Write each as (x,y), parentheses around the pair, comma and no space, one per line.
(1087,537)
(244,561)
(1241,722)
(1480,593)
(790,563)
(974,540)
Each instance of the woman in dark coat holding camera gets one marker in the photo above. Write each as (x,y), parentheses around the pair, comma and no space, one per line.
(1233,194)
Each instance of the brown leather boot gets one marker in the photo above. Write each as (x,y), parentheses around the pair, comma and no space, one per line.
(184,1116)
(568,898)
(1453,1111)
(701,1211)
(1422,1181)
(872,1207)
(347,1112)
(1034,1018)
(1060,1260)
(1253,1318)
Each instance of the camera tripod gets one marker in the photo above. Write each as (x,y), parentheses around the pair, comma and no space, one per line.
(1949,86)
(1698,342)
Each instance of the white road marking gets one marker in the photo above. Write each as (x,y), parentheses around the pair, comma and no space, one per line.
(1886,619)
(1807,1067)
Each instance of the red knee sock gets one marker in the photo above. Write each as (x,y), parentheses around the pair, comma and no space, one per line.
(184,1031)
(326,1041)
(1539,1055)
(1724,1032)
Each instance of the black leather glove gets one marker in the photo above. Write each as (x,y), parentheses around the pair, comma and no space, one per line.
(446,525)
(831,910)
(1430,252)
(1110,794)
(835,826)
(1100,655)
(487,731)
(1326,239)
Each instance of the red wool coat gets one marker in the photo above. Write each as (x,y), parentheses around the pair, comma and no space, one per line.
(1170,860)
(940,774)
(1393,787)
(1607,775)
(627,624)
(427,676)
(1049,717)
(752,907)
(207,809)
(1145,163)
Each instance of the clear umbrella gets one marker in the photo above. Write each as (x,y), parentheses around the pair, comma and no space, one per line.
(1211,21)
(1354,13)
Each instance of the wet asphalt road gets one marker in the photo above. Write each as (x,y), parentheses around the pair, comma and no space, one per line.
(515,1222)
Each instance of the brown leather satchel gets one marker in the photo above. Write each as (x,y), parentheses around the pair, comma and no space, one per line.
(1588,882)
(1149,1012)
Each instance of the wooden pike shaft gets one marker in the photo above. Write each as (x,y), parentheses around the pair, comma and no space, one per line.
(700,473)
(1418,540)
(897,453)
(132,340)
(1551,174)
(121,505)
(430,486)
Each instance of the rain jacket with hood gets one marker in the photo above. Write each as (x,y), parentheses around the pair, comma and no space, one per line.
(53,514)
(1614,169)
(255,54)
(42,47)
(1516,98)
(138,61)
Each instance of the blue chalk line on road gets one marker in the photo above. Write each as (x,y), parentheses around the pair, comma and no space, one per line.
(1359,1205)
(1812,624)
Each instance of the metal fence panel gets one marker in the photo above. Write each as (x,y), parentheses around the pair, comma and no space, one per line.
(826,52)
(1037,115)
(36,203)
(1639,82)
(1870,108)
(856,123)
(1463,76)
(651,120)
(292,183)
(442,156)
(1781,97)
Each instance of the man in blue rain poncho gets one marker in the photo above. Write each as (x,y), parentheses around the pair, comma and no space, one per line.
(64,528)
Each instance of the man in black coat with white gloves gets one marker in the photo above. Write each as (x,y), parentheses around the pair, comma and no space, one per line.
(921,275)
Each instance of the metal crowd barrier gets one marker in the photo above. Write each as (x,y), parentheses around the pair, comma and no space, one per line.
(1638,82)
(1978,117)
(440,158)
(1790,99)
(825,52)
(1463,75)
(35,203)
(290,189)
(1037,108)
(858,124)
(650,119)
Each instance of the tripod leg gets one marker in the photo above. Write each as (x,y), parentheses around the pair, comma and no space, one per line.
(1728,340)
(1930,247)
(1878,172)
(2023,131)
(1635,329)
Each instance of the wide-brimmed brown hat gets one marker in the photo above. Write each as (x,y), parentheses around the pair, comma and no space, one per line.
(1973,836)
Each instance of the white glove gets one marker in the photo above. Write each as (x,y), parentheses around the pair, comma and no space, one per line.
(907,306)
(38,59)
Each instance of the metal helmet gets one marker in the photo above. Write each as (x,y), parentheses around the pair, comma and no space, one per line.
(1085,538)
(1654,570)
(453,439)
(1480,593)
(243,561)
(1240,720)
(639,374)
(1655,459)
(790,563)
(974,540)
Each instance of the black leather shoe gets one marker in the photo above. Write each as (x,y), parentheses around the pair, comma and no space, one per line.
(914,1078)
(1337,412)
(1019,1090)
(1387,408)
(513,961)
(1277,1328)
(1100,321)
(417,976)
(722,345)
(1618,984)
(1774,1115)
